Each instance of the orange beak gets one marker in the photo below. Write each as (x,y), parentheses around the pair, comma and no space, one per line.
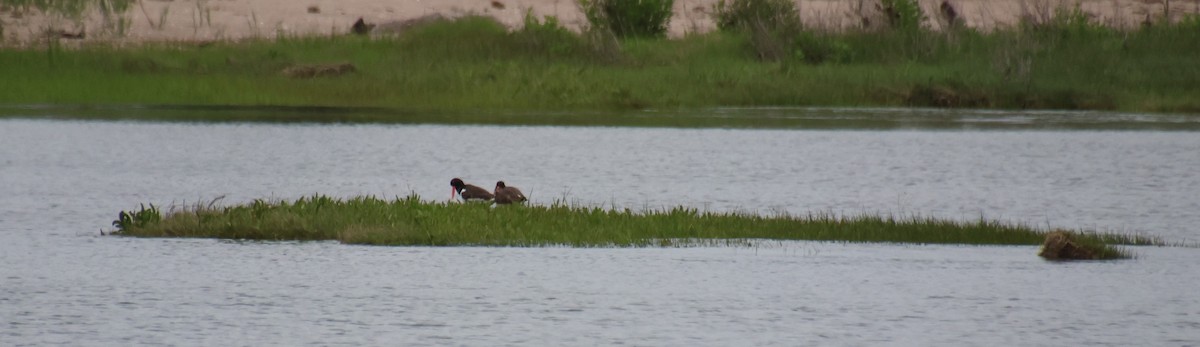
(452,192)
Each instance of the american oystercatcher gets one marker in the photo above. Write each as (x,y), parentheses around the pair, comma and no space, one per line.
(468,192)
(508,195)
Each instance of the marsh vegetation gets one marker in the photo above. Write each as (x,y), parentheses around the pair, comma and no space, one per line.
(409,221)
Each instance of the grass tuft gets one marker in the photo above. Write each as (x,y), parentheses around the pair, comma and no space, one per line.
(411,221)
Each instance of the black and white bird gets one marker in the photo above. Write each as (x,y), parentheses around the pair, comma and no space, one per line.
(508,195)
(468,192)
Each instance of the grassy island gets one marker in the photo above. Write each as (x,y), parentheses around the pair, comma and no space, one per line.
(410,221)
(474,65)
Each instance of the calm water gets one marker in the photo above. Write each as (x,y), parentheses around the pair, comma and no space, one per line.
(63,283)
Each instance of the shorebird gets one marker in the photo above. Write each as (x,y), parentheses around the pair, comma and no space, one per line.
(468,192)
(508,195)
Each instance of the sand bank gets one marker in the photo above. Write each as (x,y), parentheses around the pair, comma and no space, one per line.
(202,20)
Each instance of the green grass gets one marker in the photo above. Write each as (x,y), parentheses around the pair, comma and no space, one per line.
(476,66)
(411,221)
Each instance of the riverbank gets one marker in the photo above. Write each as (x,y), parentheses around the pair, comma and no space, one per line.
(410,221)
(127,22)
(475,63)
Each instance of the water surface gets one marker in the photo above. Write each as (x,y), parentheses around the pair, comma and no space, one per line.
(64,181)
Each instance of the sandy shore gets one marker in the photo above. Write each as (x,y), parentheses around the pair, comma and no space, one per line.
(199,20)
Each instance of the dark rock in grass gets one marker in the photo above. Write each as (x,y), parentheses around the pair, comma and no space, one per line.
(361,27)
(319,70)
(1060,245)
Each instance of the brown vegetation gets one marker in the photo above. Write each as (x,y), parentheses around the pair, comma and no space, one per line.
(1060,245)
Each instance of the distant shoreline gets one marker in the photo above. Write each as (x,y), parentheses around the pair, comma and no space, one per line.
(476,62)
(233,20)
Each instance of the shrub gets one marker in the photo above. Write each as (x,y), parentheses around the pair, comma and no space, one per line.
(1189,22)
(476,37)
(743,14)
(1076,21)
(905,15)
(629,18)
(1063,19)
(770,24)
(816,48)
(547,36)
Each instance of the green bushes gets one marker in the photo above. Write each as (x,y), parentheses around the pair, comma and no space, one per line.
(629,18)
(772,25)
(744,14)
(547,36)
(815,48)
(470,36)
(903,15)
(776,32)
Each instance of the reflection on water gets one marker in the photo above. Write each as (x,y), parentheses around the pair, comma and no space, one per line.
(65,180)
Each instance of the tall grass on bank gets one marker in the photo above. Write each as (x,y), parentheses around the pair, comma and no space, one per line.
(410,221)
(476,64)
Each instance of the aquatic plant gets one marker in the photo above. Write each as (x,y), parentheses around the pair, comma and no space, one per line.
(411,221)
(141,218)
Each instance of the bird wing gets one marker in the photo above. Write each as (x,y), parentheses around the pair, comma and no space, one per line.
(475,192)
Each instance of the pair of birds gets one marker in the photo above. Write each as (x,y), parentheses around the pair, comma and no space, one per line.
(502,195)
